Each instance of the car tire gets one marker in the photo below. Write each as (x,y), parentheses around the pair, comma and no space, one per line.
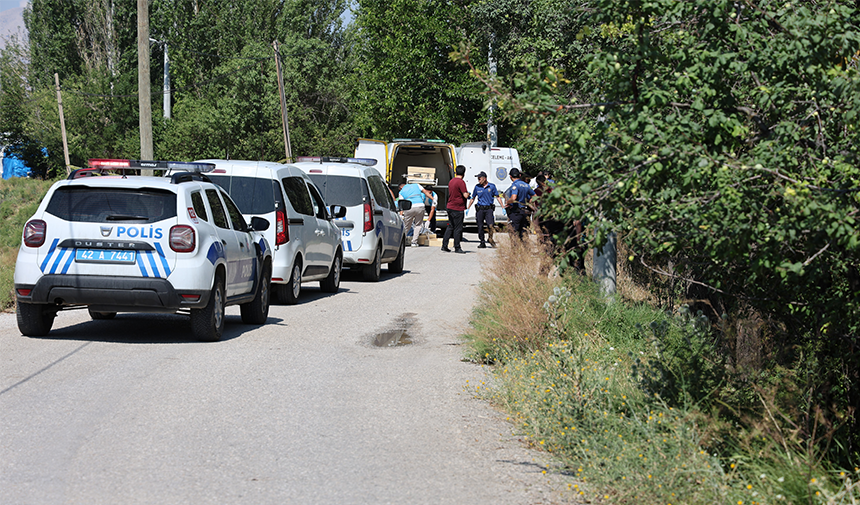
(372,271)
(35,319)
(396,266)
(101,316)
(289,292)
(332,283)
(257,310)
(208,322)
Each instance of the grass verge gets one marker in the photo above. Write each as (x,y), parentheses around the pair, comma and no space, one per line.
(19,198)
(628,397)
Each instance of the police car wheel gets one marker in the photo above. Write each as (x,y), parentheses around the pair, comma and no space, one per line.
(257,310)
(98,316)
(208,322)
(289,292)
(35,319)
(396,266)
(372,271)
(332,283)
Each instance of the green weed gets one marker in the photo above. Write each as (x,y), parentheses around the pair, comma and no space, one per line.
(638,403)
(19,198)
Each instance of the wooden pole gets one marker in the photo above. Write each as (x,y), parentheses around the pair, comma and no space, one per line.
(284,118)
(63,125)
(143,87)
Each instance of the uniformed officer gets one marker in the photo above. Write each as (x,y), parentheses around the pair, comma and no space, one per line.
(517,197)
(486,194)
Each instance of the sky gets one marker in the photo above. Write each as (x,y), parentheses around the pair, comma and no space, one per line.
(11,4)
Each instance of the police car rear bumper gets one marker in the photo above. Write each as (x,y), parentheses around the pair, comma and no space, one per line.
(112,293)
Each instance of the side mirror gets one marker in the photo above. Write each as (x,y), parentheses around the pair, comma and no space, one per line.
(259,223)
(403,205)
(337,211)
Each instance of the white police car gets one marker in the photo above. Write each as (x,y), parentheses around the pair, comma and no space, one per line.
(372,230)
(305,238)
(117,243)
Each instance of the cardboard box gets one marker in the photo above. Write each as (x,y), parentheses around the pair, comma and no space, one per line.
(428,239)
(421,175)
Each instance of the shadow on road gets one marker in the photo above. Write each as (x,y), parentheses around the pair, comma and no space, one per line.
(139,328)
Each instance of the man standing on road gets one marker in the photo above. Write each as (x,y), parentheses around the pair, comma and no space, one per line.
(517,197)
(457,196)
(414,217)
(486,194)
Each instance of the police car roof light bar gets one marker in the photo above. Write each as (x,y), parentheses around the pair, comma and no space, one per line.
(368,162)
(152,164)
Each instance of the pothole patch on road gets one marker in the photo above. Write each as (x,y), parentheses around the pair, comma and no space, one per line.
(398,335)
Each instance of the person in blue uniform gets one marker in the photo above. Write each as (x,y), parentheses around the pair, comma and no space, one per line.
(485,194)
(517,202)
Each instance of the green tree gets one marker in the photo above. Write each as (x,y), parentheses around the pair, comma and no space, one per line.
(721,137)
(405,84)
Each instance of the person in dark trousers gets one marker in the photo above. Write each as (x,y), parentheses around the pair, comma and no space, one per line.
(517,197)
(457,196)
(486,194)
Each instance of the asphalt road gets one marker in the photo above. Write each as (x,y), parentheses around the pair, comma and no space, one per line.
(305,409)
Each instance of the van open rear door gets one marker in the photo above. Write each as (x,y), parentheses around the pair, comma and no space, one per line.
(376,149)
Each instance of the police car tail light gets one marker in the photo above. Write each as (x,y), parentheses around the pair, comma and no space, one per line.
(34,233)
(182,238)
(282,231)
(368,217)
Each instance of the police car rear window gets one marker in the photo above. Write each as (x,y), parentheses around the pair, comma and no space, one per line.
(252,195)
(100,205)
(340,190)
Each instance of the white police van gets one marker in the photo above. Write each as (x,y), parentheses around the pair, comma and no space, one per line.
(113,243)
(372,232)
(496,162)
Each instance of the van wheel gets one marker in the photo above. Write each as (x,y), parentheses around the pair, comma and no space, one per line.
(208,322)
(100,316)
(396,266)
(372,271)
(35,319)
(332,283)
(289,292)
(257,310)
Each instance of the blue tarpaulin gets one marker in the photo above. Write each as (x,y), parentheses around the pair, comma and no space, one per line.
(14,167)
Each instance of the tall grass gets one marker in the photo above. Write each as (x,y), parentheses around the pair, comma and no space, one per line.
(19,198)
(633,399)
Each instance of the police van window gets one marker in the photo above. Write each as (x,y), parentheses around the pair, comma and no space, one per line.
(380,192)
(235,215)
(252,195)
(199,208)
(297,192)
(340,189)
(319,204)
(99,205)
(218,216)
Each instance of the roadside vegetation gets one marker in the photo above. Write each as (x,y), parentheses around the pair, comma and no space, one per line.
(19,198)
(642,404)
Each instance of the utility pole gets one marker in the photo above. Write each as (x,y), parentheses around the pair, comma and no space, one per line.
(605,266)
(143,88)
(166,86)
(63,125)
(492,133)
(285,120)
